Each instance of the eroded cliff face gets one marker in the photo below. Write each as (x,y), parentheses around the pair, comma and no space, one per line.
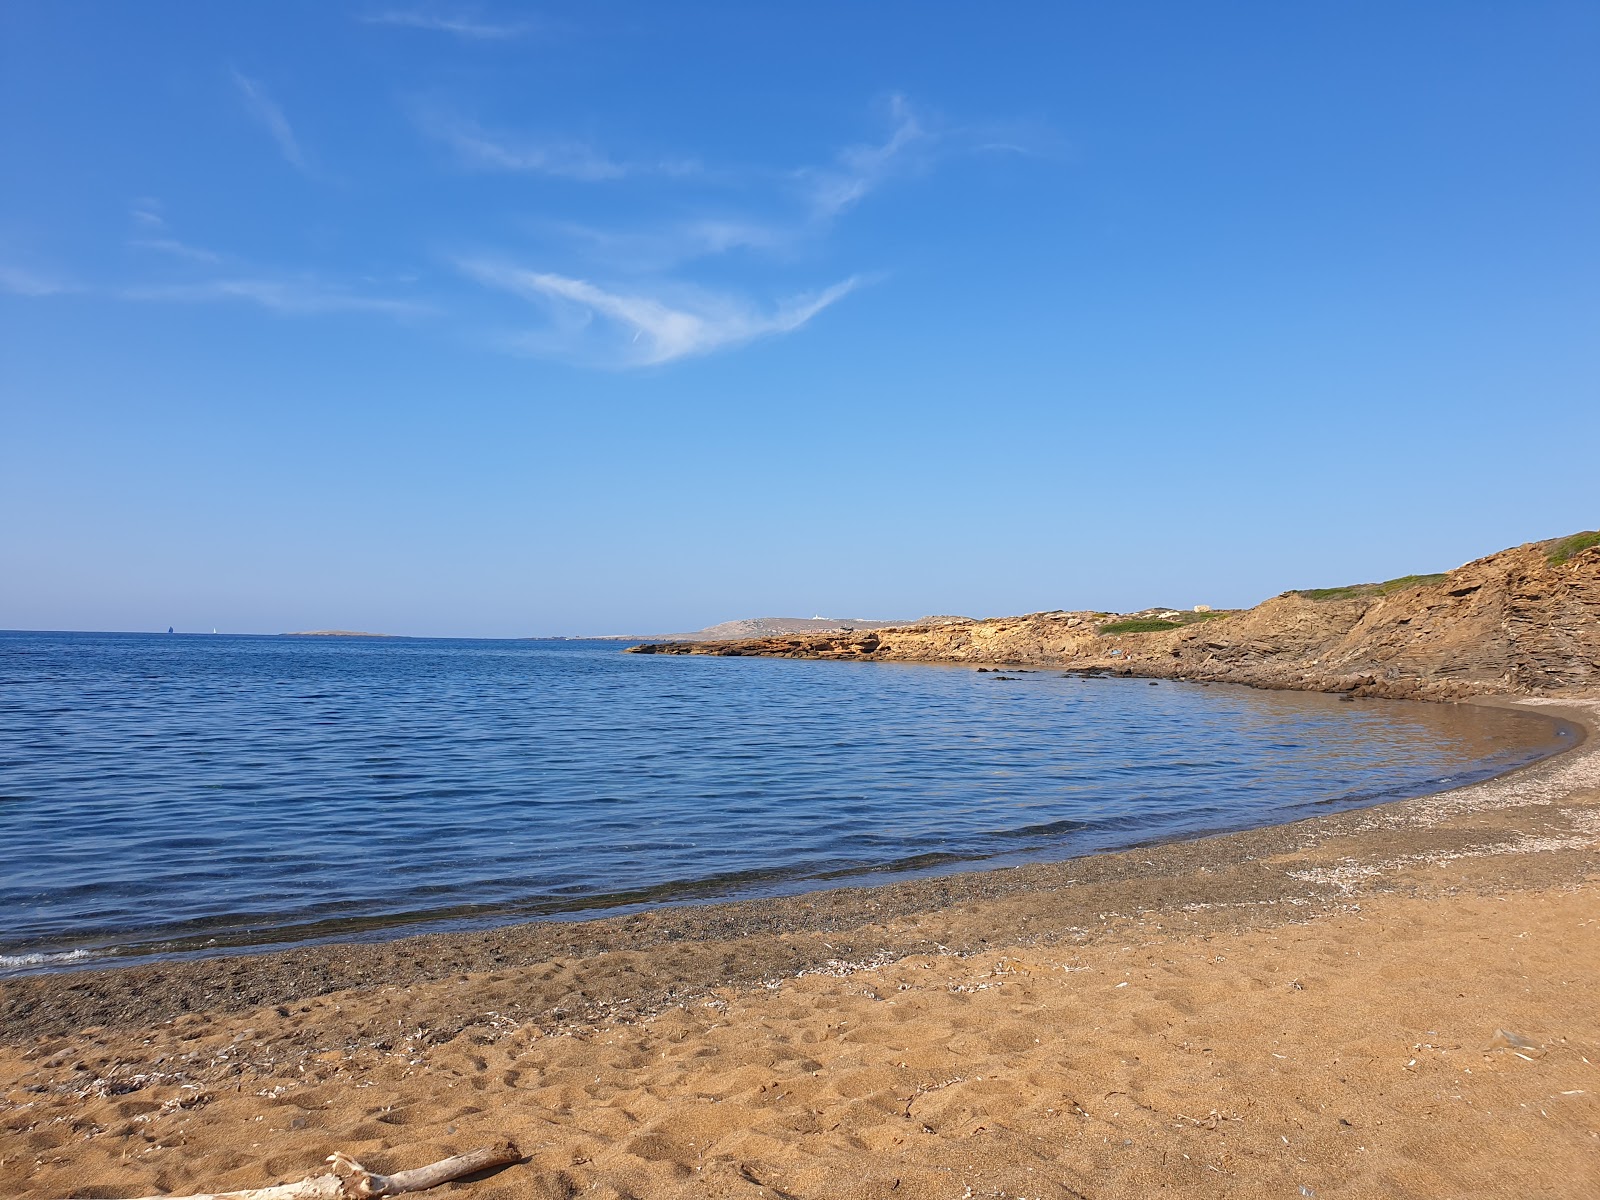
(1517,622)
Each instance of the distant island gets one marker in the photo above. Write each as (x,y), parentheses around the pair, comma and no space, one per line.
(334,633)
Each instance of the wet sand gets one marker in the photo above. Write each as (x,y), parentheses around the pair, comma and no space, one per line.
(1317,1006)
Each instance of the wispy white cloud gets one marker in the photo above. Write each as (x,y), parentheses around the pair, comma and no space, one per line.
(643,319)
(570,160)
(1007,148)
(146,211)
(265,110)
(205,276)
(861,169)
(694,324)
(298,296)
(303,297)
(460,24)
(19,281)
(671,244)
(480,148)
(617,295)
(828,191)
(151,234)
(177,249)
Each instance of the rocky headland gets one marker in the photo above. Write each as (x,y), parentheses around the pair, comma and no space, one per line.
(760,627)
(1523,621)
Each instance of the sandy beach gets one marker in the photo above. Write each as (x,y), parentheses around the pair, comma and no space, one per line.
(1391,1002)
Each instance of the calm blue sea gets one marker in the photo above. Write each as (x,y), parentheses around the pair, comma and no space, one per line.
(168,794)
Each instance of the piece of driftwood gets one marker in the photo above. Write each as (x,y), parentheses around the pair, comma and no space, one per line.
(349,1180)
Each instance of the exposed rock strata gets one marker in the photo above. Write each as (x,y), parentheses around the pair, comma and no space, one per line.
(1517,622)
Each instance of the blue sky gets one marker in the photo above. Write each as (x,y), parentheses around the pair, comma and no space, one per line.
(492,319)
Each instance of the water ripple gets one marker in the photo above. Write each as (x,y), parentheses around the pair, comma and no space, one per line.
(159,794)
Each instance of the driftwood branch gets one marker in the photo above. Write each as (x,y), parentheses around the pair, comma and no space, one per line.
(349,1180)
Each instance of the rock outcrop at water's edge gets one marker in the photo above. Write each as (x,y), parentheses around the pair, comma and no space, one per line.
(1523,621)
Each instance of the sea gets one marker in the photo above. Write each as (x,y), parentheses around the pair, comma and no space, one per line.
(171,795)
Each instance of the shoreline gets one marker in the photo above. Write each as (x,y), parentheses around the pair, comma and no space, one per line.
(1391,1001)
(55,1002)
(422,930)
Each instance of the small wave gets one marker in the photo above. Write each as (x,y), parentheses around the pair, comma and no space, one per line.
(10,962)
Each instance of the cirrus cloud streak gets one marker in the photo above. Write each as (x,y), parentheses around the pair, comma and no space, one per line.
(693,323)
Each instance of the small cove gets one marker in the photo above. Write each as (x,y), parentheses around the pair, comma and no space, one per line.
(165,796)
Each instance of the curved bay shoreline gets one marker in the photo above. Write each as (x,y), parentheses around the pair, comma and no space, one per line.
(1522,621)
(1299,868)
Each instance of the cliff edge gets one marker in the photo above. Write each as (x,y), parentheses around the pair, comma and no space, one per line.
(1523,621)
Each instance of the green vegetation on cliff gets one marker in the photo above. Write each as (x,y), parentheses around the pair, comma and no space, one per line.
(1159,624)
(1567,547)
(1152,625)
(1353,590)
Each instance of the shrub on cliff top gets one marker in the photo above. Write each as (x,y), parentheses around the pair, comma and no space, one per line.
(1368,589)
(1567,547)
(1152,625)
